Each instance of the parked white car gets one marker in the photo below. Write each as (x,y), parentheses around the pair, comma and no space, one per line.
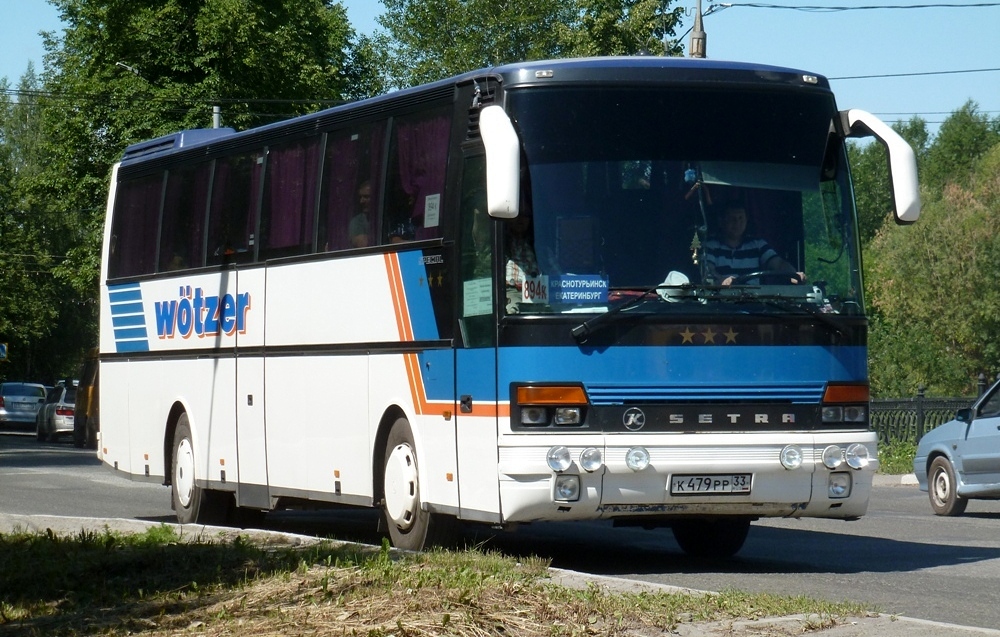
(56,415)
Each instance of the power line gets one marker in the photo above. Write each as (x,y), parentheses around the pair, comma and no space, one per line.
(821,9)
(919,73)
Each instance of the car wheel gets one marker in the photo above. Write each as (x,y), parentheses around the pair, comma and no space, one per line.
(722,537)
(410,527)
(942,488)
(192,504)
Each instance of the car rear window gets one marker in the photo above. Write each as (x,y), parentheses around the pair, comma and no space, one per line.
(21,389)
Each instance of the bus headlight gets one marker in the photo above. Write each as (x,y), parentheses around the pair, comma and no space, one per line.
(637,458)
(558,459)
(856,456)
(839,485)
(567,488)
(567,416)
(534,416)
(591,459)
(791,457)
(833,457)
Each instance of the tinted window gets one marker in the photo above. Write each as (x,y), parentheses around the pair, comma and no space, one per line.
(418,160)
(185,205)
(135,228)
(233,212)
(352,185)
(289,199)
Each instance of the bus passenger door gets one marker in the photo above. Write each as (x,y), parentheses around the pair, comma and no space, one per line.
(477,401)
(252,488)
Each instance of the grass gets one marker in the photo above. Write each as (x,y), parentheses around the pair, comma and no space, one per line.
(159,583)
(896,458)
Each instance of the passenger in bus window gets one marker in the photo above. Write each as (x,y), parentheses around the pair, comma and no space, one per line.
(358,227)
(732,254)
(402,231)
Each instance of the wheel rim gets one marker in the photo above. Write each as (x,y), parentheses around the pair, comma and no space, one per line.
(401,495)
(942,486)
(184,472)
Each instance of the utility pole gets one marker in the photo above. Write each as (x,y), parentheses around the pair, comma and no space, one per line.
(698,36)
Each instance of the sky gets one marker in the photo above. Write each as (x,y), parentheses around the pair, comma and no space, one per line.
(921,56)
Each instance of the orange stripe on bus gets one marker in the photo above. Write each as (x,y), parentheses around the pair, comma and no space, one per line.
(412,361)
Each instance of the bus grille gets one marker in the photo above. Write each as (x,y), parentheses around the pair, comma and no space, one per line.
(736,392)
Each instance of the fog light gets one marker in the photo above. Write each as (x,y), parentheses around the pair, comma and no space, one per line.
(791,457)
(567,416)
(558,459)
(567,488)
(637,458)
(833,457)
(839,485)
(534,416)
(591,459)
(856,456)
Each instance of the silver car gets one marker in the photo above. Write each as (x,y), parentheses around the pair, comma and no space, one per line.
(56,416)
(19,402)
(960,460)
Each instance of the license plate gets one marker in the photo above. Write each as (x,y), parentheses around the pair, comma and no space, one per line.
(23,406)
(710,483)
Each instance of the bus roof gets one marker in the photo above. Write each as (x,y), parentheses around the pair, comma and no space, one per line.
(520,74)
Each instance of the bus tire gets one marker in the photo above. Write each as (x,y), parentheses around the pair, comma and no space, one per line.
(410,527)
(718,538)
(942,489)
(192,504)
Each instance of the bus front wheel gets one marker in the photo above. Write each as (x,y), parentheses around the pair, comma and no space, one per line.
(410,527)
(191,503)
(722,537)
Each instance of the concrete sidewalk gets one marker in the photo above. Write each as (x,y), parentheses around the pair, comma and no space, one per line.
(875,625)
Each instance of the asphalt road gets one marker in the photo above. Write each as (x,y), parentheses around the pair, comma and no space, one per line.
(899,557)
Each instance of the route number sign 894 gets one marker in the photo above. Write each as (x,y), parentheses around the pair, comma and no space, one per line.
(711,483)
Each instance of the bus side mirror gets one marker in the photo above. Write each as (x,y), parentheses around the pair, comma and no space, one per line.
(902,161)
(503,162)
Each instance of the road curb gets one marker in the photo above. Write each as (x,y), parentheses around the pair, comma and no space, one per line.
(883,480)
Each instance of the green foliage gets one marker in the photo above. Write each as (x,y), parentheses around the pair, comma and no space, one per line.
(932,290)
(896,458)
(433,39)
(964,137)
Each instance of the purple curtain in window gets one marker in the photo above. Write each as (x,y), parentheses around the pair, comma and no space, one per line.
(423,159)
(233,214)
(352,160)
(290,195)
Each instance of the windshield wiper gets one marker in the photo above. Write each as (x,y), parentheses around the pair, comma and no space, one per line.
(788,304)
(588,327)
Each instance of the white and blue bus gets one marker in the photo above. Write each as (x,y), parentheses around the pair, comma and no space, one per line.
(488,300)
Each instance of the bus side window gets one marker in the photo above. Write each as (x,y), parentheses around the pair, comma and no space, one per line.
(418,160)
(184,207)
(477,293)
(232,216)
(289,198)
(349,201)
(137,211)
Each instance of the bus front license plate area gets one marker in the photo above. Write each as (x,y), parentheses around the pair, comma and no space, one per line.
(710,483)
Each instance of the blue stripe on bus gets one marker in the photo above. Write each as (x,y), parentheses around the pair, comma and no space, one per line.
(130,320)
(653,374)
(416,285)
(127,318)
(131,346)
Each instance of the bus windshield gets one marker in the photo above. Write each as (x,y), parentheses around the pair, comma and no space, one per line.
(626,192)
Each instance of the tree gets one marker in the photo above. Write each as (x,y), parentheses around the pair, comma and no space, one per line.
(936,307)
(434,39)
(964,137)
(121,72)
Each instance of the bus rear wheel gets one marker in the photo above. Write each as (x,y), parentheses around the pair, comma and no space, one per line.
(191,503)
(721,537)
(410,527)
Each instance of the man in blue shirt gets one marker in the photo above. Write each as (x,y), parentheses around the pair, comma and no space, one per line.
(733,255)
